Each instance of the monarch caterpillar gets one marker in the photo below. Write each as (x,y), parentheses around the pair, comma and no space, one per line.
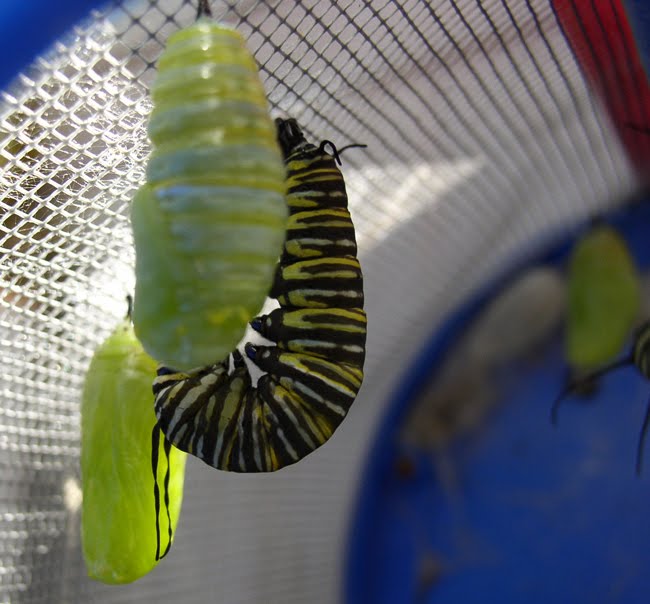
(121,542)
(604,298)
(639,357)
(314,371)
(208,226)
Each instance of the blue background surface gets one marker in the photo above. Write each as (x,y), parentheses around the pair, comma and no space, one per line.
(28,27)
(541,514)
(638,12)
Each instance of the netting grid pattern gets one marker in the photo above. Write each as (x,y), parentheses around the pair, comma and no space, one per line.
(481,134)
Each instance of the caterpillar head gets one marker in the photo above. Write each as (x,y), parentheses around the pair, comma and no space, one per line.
(290,135)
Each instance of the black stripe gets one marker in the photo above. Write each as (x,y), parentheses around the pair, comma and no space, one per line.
(315,161)
(167,447)
(267,384)
(239,384)
(247,446)
(273,328)
(155,444)
(289,430)
(295,404)
(187,416)
(329,296)
(326,186)
(211,435)
(166,408)
(275,442)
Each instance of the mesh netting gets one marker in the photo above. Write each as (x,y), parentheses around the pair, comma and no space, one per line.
(482,136)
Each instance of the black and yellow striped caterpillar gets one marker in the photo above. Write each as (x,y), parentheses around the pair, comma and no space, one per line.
(314,371)
(638,357)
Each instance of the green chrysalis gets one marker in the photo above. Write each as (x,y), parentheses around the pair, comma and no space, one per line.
(209,225)
(122,528)
(604,304)
(604,298)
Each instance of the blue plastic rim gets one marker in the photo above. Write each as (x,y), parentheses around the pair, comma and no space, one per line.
(638,13)
(540,514)
(28,27)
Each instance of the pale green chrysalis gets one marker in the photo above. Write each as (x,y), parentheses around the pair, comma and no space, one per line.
(209,225)
(604,298)
(123,531)
(604,306)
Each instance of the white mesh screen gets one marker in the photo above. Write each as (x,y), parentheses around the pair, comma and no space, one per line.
(482,138)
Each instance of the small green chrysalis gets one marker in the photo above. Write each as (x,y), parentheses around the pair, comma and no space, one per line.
(125,522)
(604,298)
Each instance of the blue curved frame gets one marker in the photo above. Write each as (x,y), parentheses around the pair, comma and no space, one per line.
(632,220)
(27,27)
(638,13)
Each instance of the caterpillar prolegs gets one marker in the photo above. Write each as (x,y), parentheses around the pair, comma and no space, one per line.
(315,370)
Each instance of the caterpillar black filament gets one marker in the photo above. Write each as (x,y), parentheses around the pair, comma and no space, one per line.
(315,370)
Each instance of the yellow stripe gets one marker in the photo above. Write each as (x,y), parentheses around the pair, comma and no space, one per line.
(298,271)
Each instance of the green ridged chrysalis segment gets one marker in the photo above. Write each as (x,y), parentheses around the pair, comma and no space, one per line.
(118,523)
(604,298)
(209,224)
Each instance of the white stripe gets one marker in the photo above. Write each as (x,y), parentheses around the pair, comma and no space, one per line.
(287,446)
(184,403)
(299,386)
(306,437)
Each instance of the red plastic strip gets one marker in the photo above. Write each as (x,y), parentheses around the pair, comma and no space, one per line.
(602,41)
